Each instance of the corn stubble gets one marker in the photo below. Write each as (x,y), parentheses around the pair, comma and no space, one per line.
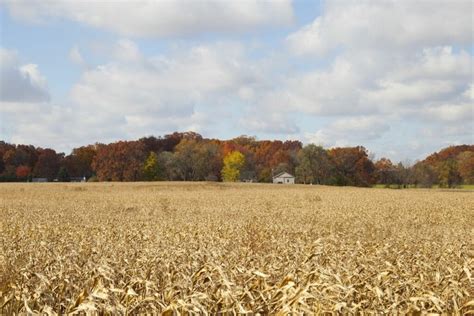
(233,248)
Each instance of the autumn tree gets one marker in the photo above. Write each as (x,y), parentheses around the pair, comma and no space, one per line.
(466,166)
(385,171)
(2,165)
(4,147)
(233,163)
(352,166)
(21,155)
(170,141)
(120,161)
(22,172)
(48,164)
(14,159)
(247,146)
(153,144)
(444,154)
(272,155)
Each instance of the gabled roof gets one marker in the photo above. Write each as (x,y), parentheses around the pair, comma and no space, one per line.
(283,174)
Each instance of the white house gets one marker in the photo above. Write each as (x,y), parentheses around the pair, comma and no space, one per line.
(284,177)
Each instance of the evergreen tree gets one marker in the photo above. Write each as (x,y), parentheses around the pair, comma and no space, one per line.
(151,168)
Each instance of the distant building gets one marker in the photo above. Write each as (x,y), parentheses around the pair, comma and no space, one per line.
(77,179)
(39,180)
(284,178)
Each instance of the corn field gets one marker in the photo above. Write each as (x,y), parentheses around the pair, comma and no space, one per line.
(210,248)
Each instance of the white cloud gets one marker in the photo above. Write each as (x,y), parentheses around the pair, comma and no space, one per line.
(437,62)
(135,81)
(454,113)
(137,94)
(160,18)
(469,93)
(386,25)
(349,131)
(76,57)
(395,93)
(134,95)
(394,59)
(127,50)
(269,123)
(352,85)
(20,83)
(333,91)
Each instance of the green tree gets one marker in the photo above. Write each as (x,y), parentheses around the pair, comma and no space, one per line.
(314,165)
(196,160)
(78,163)
(448,173)
(151,168)
(233,163)
(63,175)
(402,175)
(168,169)
(423,175)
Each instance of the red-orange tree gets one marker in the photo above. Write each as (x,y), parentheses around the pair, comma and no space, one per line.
(120,161)
(466,166)
(48,164)
(352,166)
(22,172)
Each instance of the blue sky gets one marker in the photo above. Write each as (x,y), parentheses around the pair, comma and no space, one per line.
(395,77)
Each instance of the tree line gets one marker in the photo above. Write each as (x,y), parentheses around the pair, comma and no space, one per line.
(190,157)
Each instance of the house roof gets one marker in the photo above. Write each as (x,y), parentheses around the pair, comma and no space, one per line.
(283,174)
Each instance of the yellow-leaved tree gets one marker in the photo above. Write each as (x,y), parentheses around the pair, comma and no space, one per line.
(233,163)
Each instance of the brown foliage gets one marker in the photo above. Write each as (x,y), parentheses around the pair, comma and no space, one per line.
(48,164)
(466,166)
(120,161)
(447,153)
(353,166)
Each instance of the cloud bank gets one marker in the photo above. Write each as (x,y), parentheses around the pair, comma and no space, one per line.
(396,75)
(145,18)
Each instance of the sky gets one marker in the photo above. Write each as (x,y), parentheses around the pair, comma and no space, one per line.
(393,76)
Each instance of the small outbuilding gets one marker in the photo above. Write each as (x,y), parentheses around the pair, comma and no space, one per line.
(39,180)
(284,178)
